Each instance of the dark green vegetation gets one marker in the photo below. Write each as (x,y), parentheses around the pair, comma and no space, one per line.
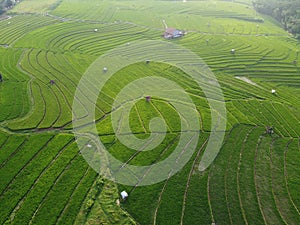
(45,180)
(287,12)
(5,5)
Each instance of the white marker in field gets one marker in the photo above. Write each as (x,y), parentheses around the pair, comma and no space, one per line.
(273,91)
(124,195)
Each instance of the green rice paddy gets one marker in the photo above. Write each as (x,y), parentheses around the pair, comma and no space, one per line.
(44,179)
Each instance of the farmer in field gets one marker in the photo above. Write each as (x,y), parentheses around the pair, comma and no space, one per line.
(1,77)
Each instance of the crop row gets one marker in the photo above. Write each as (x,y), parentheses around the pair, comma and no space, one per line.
(222,183)
(265,113)
(42,173)
(88,38)
(288,211)
(15,168)
(291,172)
(14,28)
(247,184)
(57,113)
(164,196)
(209,16)
(51,102)
(13,87)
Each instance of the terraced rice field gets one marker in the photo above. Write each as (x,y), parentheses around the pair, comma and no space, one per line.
(44,178)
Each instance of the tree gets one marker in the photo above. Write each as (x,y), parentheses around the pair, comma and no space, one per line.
(287,12)
(1,10)
(8,3)
(2,7)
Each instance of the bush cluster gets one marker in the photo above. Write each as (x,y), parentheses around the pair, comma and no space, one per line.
(6,4)
(287,12)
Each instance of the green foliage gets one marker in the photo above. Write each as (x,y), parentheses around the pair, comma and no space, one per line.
(286,12)
(93,195)
(5,4)
(1,9)
(8,3)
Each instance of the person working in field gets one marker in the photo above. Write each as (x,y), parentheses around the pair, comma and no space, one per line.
(1,77)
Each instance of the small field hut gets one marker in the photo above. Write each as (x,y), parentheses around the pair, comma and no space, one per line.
(124,195)
(171,33)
